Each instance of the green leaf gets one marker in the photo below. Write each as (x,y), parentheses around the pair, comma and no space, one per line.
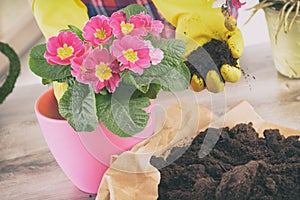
(46,81)
(77,31)
(39,65)
(78,106)
(171,73)
(152,92)
(133,9)
(122,114)
(175,47)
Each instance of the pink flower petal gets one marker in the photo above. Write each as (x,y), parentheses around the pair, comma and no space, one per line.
(85,68)
(97,30)
(156,56)
(115,20)
(133,46)
(62,48)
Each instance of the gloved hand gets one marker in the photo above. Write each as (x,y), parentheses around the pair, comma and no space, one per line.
(200,25)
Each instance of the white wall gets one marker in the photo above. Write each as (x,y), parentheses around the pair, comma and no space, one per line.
(255,31)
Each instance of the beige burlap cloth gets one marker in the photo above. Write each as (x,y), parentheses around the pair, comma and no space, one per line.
(132,177)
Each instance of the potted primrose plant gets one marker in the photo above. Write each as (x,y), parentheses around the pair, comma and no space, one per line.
(283,20)
(113,68)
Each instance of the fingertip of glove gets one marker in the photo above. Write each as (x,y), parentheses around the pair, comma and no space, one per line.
(230,73)
(214,82)
(197,83)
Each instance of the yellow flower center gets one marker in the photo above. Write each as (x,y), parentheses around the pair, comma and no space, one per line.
(103,72)
(65,51)
(83,69)
(100,33)
(126,27)
(130,55)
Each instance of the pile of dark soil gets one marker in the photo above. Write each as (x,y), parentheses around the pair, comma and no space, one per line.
(240,166)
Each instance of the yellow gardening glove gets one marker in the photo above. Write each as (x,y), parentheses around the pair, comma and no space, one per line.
(197,23)
(55,15)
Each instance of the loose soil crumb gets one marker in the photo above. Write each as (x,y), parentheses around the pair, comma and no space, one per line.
(240,166)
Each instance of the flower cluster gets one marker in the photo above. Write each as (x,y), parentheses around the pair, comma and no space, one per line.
(111,69)
(106,47)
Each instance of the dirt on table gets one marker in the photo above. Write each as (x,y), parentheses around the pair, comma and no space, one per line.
(240,166)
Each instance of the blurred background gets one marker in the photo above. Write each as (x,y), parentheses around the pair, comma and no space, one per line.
(19,30)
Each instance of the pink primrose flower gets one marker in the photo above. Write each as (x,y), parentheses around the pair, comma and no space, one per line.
(111,84)
(156,55)
(115,20)
(63,47)
(78,71)
(132,52)
(97,30)
(234,6)
(154,27)
(98,69)
(121,27)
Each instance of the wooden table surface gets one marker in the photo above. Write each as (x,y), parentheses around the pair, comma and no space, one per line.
(28,170)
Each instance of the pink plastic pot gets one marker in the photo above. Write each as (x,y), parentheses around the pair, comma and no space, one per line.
(84,157)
